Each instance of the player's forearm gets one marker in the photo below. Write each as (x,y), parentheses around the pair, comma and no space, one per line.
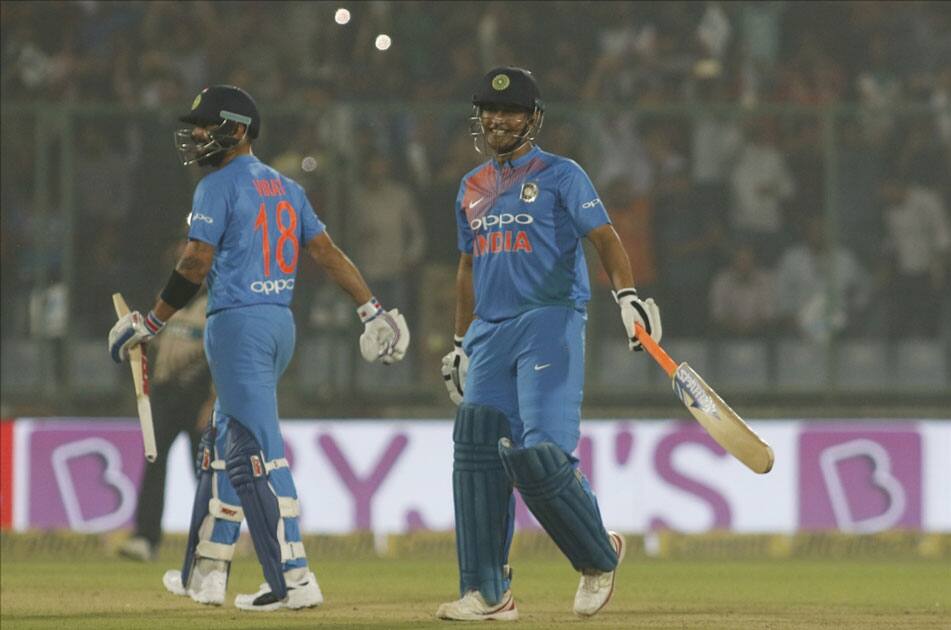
(348,278)
(613,257)
(191,270)
(465,296)
(339,267)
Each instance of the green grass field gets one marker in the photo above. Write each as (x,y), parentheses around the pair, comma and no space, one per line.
(110,593)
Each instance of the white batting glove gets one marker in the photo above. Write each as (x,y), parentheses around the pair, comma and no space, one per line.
(454,368)
(385,335)
(637,311)
(131,330)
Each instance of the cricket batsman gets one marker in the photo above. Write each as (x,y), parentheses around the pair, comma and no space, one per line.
(517,370)
(247,226)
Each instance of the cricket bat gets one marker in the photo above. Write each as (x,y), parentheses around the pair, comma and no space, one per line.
(722,423)
(139,362)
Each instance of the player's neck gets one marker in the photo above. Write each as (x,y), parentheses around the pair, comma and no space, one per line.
(516,154)
(234,153)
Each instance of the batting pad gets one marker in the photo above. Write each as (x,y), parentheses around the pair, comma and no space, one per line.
(482,494)
(206,508)
(552,490)
(248,473)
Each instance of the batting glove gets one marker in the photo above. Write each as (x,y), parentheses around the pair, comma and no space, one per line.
(131,330)
(385,335)
(454,368)
(637,311)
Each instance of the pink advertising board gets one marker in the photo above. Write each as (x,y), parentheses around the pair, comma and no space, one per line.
(395,475)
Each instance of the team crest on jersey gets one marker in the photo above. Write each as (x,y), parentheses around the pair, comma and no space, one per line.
(529,192)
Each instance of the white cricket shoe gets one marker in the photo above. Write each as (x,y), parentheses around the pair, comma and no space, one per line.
(137,548)
(473,607)
(173,582)
(208,583)
(595,589)
(302,592)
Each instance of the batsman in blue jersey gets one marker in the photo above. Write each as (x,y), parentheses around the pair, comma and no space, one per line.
(517,370)
(247,226)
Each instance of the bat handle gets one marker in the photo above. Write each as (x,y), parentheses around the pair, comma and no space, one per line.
(663,359)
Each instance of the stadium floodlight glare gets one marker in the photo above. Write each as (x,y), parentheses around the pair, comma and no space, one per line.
(342,16)
(308,164)
(383,41)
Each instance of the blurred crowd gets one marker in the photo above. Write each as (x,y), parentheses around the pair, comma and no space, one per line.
(704,125)
(155,53)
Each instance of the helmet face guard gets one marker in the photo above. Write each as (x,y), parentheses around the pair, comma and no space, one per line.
(221,139)
(528,134)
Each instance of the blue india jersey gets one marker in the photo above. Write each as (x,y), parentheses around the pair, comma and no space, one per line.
(258,221)
(523,223)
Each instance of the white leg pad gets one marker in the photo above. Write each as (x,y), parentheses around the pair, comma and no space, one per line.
(280,462)
(290,507)
(215,551)
(292,551)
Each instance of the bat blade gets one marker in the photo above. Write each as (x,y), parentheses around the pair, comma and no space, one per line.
(138,361)
(723,424)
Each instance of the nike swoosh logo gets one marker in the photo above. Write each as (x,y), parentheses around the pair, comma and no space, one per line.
(476,202)
(541,367)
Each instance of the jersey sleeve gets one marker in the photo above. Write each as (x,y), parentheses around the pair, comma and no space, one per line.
(209,216)
(311,225)
(581,200)
(463,231)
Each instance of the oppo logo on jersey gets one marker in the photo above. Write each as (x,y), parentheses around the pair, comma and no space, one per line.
(500,220)
(267,287)
(198,216)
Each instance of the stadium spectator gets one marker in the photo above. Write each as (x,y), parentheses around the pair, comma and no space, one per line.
(762,183)
(820,286)
(918,244)
(860,169)
(387,232)
(879,89)
(715,139)
(742,296)
(690,235)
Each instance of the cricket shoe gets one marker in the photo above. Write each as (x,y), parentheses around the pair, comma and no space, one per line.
(595,589)
(473,607)
(137,548)
(208,583)
(302,592)
(173,582)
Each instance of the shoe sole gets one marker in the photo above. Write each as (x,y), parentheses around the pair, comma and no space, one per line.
(291,603)
(267,608)
(507,611)
(277,606)
(620,547)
